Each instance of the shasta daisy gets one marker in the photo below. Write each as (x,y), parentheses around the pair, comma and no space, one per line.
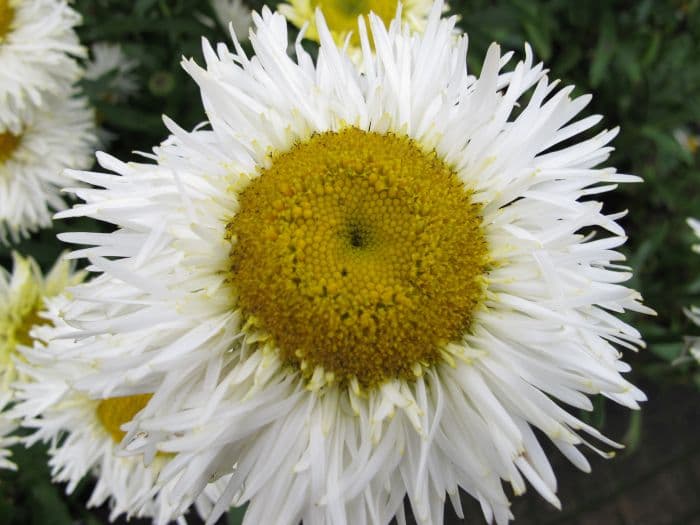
(359,282)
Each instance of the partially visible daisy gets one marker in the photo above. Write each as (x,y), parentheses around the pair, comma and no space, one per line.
(32,160)
(84,433)
(108,61)
(236,13)
(693,312)
(7,426)
(688,141)
(341,16)
(38,51)
(23,295)
(695,225)
(360,283)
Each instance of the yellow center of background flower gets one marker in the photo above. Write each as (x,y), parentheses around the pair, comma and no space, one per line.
(8,145)
(358,254)
(7,16)
(113,412)
(341,15)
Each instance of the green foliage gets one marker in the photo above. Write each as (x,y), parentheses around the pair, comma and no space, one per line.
(639,59)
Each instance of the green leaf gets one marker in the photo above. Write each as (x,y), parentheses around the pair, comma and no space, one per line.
(235,515)
(667,351)
(605,48)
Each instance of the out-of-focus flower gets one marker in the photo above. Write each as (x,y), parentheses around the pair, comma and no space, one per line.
(693,312)
(7,427)
(32,160)
(109,63)
(85,433)
(236,13)
(23,295)
(38,51)
(688,141)
(341,16)
(361,282)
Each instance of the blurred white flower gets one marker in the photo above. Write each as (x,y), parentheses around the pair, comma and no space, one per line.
(693,313)
(236,13)
(109,60)
(688,141)
(23,296)
(38,51)
(59,135)
(85,432)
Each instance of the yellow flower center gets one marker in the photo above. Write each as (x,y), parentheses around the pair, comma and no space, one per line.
(341,15)
(8,144)
(358,254)
(113,412)
(7,16)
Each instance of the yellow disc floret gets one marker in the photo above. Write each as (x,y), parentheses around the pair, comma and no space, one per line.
(113,412)
(359,254)
(8,145)
(7,16)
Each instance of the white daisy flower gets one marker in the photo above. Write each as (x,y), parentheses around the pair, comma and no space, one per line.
(363,282)
(7,427)
(236,13)
(84,433)
(109,60)
(38,50)
(341,16)
(32,161)
(23,295)
(22,298)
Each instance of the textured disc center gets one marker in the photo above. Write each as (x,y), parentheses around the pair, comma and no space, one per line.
(7,16)
(359,254)
(113,412)
(8,145)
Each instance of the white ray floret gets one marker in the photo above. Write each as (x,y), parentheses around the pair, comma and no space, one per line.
(38,57)
(161,318)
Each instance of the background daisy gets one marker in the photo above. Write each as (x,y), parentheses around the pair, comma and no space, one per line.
(32,163)
(341,16)
(84,433)
(233,12)
(38,57)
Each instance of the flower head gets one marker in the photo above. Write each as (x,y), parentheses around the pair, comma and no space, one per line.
(23,296)
(341,16)
(693,313)
(361,282)
(32,161)
(85,432)
(38,52)
(109,63)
